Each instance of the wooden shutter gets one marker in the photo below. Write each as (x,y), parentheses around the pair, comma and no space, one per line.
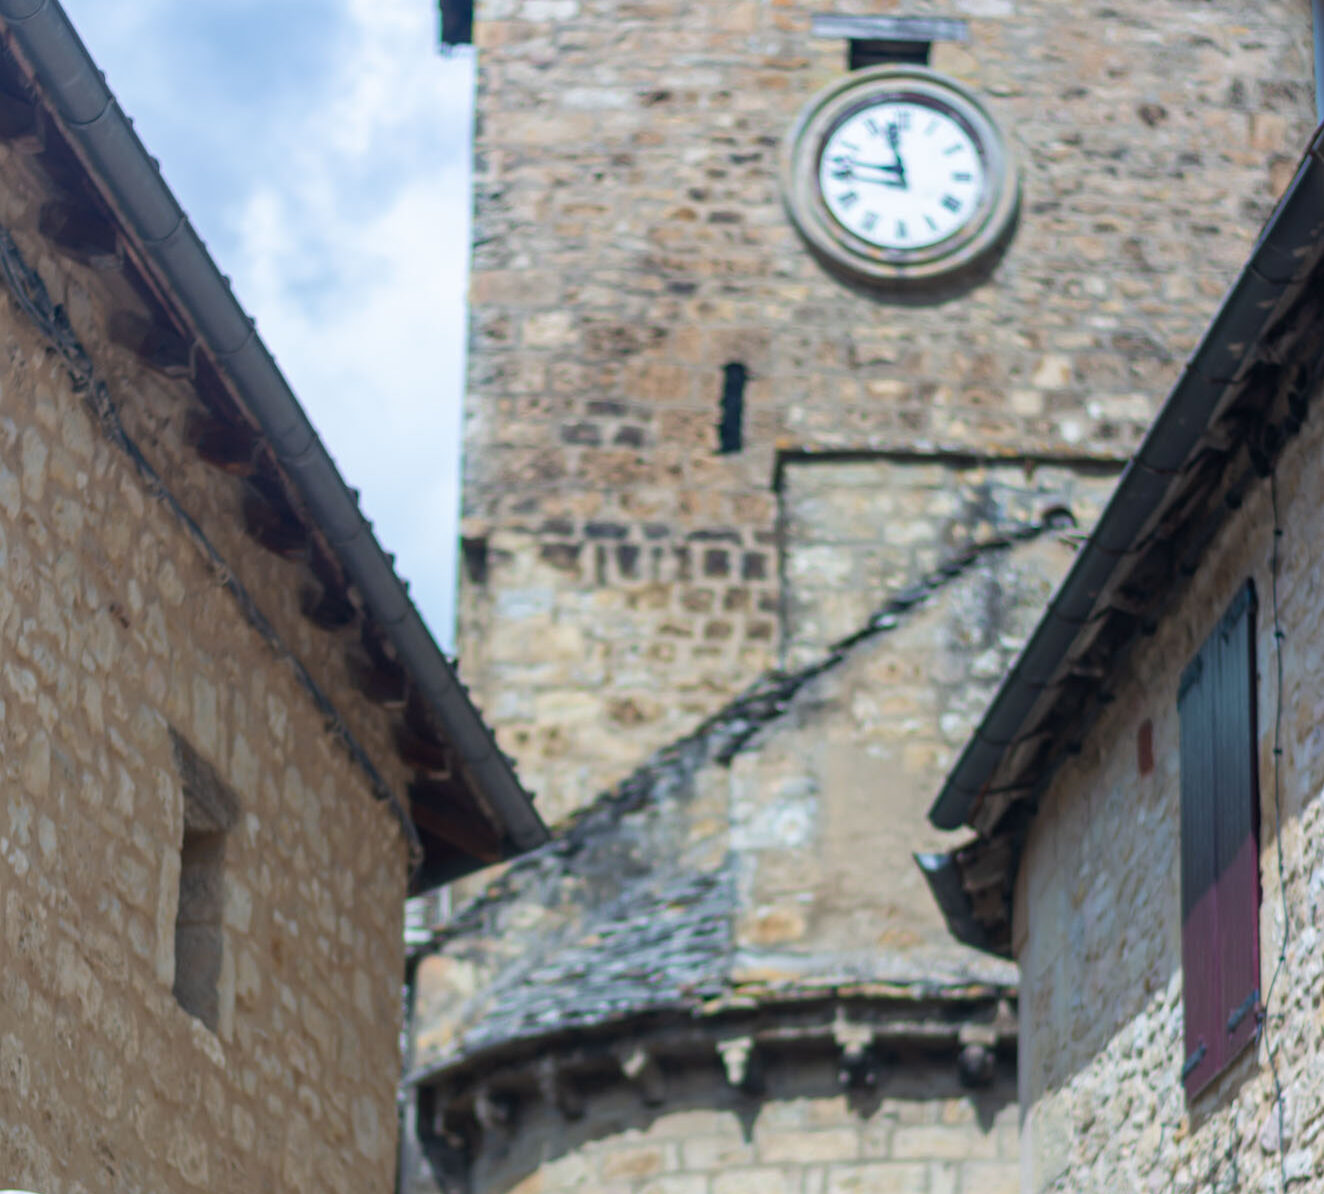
(1220,846)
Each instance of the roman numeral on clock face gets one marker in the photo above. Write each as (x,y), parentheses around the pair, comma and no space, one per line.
(901,175)
(891,175)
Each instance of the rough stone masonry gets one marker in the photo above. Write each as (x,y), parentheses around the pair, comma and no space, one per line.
(631,243)
(133,684)
(633,597)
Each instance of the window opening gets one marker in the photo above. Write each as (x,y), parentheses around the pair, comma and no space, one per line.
(474,553)
(864,52)
(731,427)
(457,22)
(210,811)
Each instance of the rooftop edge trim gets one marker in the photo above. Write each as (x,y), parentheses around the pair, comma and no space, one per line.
(1296,223)
(71,81)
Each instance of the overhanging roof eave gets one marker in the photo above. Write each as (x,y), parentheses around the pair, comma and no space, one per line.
(1283,253)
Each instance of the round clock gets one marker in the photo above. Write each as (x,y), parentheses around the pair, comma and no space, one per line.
(897,175)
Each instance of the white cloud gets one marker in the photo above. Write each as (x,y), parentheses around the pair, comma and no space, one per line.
(324,155)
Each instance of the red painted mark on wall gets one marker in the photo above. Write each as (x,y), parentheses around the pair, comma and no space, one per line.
(1145,748)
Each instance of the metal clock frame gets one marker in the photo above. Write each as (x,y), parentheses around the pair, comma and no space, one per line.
(971,245)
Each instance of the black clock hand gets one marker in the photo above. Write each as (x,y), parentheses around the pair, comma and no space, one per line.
(896,182)
(894,140)
(893,175)
(848,167)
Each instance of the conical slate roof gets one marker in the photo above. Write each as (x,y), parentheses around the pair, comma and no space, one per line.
(645,903)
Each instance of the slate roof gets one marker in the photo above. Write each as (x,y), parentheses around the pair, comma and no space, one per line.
(626,926)
(660,947)
(1242,396)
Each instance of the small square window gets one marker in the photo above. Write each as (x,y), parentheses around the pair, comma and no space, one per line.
(864,52)
(457,22)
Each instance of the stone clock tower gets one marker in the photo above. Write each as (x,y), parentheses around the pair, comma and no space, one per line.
(808,340)
(665,378)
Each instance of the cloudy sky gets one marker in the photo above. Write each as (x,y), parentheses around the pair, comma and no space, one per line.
(321,148)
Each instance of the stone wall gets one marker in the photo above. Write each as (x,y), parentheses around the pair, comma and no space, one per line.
(128,674)
(827,803)
(763,860)
(631,243)
(783,829)
(856,532)
(1099,906)
(919,1134)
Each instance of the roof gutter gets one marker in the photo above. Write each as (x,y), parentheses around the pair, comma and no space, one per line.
(134,185)
(1281,257)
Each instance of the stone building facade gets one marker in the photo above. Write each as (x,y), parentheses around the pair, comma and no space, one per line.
(632,243)
(207,821)
(707,951)
(1088,886)
(747,551)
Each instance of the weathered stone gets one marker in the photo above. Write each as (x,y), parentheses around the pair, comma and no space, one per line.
(116,629)
(653,272)
(1100,908)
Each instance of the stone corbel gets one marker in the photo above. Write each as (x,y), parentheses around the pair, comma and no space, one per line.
(641,1069)
(859,1068)
(559,1091)
(743,1065)
(977,1063)
(495,1112)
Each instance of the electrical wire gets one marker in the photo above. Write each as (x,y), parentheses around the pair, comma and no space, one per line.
(30,294)
(1308,384)
(1270,1047)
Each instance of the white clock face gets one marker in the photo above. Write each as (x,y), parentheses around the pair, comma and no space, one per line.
(901,175)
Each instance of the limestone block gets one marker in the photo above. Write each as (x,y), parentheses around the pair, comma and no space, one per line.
(903,1177)
(34,454)
(840,1144)
(754,1180)
(632,1163)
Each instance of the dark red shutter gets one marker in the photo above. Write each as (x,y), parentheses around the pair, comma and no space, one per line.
(1220,846)
(1237,819)
(1201,980)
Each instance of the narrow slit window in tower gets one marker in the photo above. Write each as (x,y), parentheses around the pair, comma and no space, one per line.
(731,426)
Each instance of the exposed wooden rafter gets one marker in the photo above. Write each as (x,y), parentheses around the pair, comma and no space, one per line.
(430,756)
(22,124)
(277,529)
(227,446)
(443,810)
(81,231)
(157,344)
